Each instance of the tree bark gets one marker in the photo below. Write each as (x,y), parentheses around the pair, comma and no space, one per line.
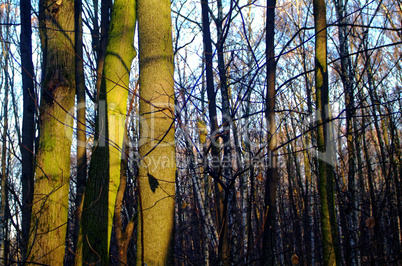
(28,123)
(119,56)
(214,169)
(4,211)
(222,193)
(347,81)
(50,203)
(157,169)
(92,243)
(81,121)
(271,183)
(123,236)
(104,180)
(325,160)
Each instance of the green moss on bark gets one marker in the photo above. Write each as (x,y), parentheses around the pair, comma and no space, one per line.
(50,207)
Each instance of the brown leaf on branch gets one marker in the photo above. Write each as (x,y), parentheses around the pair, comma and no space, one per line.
(370,222)
(295,259)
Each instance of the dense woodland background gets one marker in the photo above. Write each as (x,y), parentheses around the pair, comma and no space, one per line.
(249,186)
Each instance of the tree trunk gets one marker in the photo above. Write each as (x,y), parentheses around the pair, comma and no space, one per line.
(4,211)
(92,244)
(397,178)
(325,160)
(119,56)
(271,183)
(104,180)
(157,169)
(308,217)
(28,123)
(50,208)
(347,81)
(97,158)
(106,6)
(377,212)
(123,236)
(226,177)
(214,170)
(296,221)
(81,122)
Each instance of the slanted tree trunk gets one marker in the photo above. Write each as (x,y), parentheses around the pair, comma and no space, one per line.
(123,235)
(92,244)
(104,171)
(102,168)
(28,123)
(157,169)
(120,53)
(268,245)
(50,203)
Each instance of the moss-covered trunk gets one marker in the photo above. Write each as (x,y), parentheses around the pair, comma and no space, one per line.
(157,148)
(104,171)
(50,203)
(119,56)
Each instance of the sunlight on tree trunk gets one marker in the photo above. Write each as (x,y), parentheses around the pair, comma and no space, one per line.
(50,207)
(119,56)
(104,172)
(157,169)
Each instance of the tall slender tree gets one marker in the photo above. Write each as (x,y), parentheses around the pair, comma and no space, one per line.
(271,182)
(325,160)
(224,192)
(347,81)
(4,211)
(28,122)
(81,120)
(211,94)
